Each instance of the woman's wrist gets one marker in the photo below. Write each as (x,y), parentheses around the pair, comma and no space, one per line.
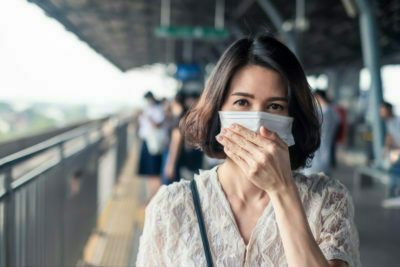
(285,194)
(285,187)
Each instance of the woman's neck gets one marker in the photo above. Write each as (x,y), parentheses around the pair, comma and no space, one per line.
(236,184)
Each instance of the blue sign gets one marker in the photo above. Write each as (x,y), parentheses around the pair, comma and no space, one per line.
(187,72)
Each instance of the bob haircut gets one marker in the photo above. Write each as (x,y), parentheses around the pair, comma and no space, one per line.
(201,124)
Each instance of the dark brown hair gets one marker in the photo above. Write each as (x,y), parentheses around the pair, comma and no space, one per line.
(201,124)
(388,106)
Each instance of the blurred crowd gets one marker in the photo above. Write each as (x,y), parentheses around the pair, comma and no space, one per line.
(164,156)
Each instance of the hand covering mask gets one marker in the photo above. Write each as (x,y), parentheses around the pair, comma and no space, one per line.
(253,120)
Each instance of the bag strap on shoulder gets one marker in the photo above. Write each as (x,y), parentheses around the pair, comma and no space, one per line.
(197,207)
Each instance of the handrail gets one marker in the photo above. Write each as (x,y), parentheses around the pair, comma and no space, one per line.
(34,150)
(38,148)
(49,190)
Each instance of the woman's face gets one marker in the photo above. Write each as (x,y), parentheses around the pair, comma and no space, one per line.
(255,88)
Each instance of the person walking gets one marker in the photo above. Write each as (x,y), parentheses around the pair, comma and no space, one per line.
(392,152)
(152,135)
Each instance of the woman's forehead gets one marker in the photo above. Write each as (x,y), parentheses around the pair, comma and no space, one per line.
(258,81)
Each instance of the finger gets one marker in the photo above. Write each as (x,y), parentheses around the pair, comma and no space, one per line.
(243,131)
(256,151)
(272,136)
(239,161)
(236,158)
(235,150)
(250,135)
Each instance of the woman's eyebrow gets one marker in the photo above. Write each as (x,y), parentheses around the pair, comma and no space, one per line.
(243,94)
(275,98)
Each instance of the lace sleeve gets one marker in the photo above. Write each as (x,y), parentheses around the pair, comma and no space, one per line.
(152,239)
(339,237)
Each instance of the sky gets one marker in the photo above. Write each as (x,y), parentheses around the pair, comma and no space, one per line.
(41,61)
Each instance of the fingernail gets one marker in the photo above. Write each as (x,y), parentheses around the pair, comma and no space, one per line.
(233,126)
(220,138)
(223,131)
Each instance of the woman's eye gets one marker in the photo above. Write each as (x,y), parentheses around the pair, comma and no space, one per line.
(241,102)
(275,107)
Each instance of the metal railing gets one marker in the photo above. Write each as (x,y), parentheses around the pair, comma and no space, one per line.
(50,193)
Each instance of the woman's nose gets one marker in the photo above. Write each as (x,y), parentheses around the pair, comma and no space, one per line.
(258,107)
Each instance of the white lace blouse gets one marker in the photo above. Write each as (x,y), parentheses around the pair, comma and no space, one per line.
(171,235)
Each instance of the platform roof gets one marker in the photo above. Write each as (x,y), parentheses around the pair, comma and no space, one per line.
(123,30)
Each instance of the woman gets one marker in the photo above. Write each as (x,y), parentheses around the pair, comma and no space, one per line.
(258,211)
(170,172)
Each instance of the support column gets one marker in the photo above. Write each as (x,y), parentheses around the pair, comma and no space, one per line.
(371,58)
(277,20)
(333,84)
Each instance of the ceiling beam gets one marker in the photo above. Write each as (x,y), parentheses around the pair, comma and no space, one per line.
(276,19)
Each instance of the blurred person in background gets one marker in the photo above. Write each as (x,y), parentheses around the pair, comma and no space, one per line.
(172,155)
(330,120)
(341,132)
(192,158)
(392,146)
(152,135)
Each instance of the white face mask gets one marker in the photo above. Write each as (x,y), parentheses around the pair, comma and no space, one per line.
(253,120)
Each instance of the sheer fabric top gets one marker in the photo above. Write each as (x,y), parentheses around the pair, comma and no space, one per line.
(171,235)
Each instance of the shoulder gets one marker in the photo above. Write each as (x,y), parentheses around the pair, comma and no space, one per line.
(394,122)
(318,182)
(320,186)
(159,108)
(168,207)
(204,179)
(173,204)
(170,195)
(178,192)
(154,110)
(397,122)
